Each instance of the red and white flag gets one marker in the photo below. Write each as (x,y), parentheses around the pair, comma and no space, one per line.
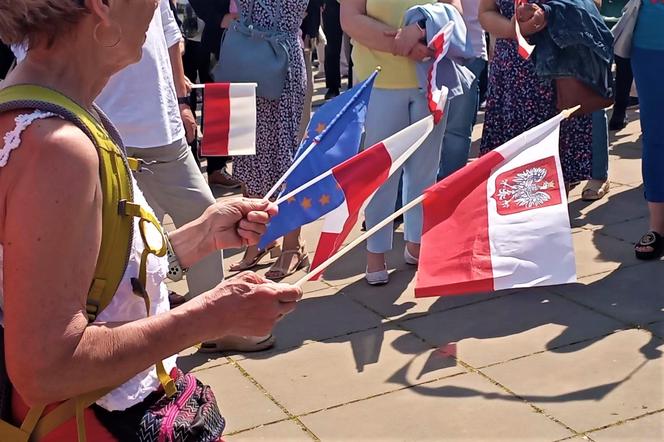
(360,177)
(229,119)
(437,95)
(525,48)
(499,223)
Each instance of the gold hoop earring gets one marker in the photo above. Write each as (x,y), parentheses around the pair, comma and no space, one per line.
(95,35)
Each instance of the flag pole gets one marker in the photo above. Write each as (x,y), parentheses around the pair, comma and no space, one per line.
(567,113)
(316,140)
(359,240)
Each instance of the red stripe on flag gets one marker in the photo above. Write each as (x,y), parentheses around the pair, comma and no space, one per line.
(455,255)
(216,119)
(359,177)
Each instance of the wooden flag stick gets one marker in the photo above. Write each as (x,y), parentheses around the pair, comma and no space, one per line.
(359,240)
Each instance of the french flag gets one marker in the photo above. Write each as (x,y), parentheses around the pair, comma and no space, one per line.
(437,95)
(360,177)
(499,223)
(229,119)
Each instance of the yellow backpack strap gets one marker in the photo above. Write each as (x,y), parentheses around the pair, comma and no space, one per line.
(117,229)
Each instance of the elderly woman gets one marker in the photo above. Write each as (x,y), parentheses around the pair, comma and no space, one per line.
(51,232)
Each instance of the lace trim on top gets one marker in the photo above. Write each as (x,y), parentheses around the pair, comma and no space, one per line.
(13,137)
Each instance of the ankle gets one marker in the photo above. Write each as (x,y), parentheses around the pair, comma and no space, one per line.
(375,262)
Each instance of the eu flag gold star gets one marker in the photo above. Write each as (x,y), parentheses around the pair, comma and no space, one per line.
(320,128)
(291,200)
(306,203)
(324,200)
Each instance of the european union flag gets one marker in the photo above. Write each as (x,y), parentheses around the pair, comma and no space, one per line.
(336,133)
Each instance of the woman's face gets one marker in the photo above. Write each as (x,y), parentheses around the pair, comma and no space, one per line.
(133,17)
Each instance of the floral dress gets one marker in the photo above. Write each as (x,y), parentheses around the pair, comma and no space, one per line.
(519,100)
(278,121)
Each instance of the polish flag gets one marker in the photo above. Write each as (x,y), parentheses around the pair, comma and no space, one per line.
(229,119)
(499,223)
(360,177)
(525,48)
(437,95)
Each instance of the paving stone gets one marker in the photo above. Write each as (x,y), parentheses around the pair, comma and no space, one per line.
(462,408)
(282,431)
(329,314)
(633,294)
(657,328)
(629,231)
(321,375)
(588,387)
(645,429)
(241,403)
(622,204)
(597,253)
(520,324)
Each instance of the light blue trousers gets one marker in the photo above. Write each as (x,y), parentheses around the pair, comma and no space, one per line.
(462,119)
(391,110)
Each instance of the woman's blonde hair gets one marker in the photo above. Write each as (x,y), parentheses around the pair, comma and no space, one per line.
(40,21)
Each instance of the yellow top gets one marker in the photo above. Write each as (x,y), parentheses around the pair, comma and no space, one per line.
(398,72)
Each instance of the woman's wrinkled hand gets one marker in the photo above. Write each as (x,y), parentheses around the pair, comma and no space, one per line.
(249,305)
(405,39)
(531,17)
(238,223)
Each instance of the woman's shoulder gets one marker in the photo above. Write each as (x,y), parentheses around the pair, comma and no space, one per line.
(29,132)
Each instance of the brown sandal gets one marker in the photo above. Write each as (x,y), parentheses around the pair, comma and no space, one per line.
(282,268)
(595,190)
(274,250)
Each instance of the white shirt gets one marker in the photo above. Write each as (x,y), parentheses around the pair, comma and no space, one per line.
(141,100)
(475,31)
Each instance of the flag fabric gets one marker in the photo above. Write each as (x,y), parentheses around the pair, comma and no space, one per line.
(360,177)
(525,49)
(499,223)
(229,119)
(336,133)
(437,95)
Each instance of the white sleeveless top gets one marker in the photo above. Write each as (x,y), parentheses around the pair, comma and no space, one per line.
(125,306)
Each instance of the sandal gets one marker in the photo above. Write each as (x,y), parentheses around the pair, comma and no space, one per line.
(283,267)
(653,240)
(595,190)
(241,344)
(245,264)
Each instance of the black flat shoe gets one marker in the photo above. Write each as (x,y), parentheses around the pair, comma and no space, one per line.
(655,242)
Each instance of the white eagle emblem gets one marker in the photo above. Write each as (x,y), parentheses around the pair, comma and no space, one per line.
(528,189)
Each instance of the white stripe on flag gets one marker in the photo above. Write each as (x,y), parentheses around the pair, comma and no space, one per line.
(242,132)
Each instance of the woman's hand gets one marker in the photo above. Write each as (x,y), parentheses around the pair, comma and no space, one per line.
(224,225)
(228,19)
(531,17)
(248,305)
(421,53)
(238,223)
(405,39)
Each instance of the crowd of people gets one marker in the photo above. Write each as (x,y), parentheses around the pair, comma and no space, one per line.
(110,80)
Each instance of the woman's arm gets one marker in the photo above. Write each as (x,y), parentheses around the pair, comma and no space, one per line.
(364,29)
(51,237)
(493,21)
